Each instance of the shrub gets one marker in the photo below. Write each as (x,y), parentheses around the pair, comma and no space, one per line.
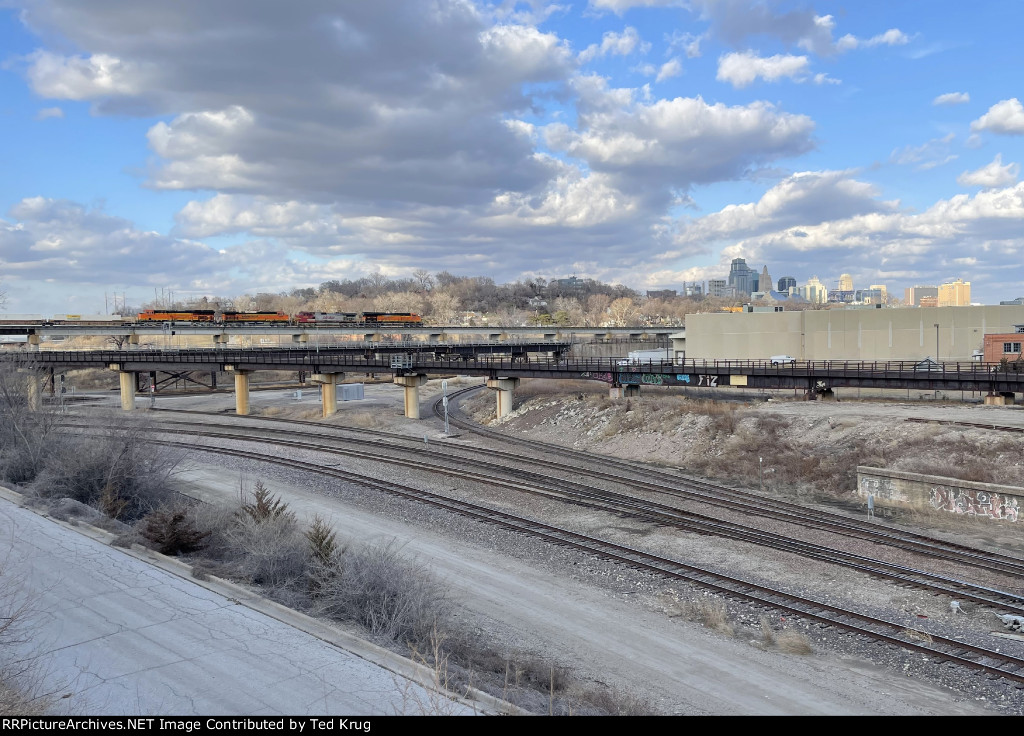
(173,532)
(392,596)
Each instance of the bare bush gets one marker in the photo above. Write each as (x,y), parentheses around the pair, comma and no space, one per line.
(116,472)
(26,434)
(390,595)
(273,552)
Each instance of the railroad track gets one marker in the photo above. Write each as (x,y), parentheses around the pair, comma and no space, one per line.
(619,504)
(974,425)
(937,648)
(692,489)
(722,496)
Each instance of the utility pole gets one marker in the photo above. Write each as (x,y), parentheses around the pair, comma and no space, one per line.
(936,342)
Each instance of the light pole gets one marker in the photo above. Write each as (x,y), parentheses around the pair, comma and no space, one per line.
(760,474)
(936,342)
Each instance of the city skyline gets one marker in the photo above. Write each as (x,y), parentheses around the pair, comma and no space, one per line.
(240,147)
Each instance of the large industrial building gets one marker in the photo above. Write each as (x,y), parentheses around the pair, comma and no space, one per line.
(948,333)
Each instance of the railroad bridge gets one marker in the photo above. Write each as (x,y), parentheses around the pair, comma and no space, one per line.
(504,364)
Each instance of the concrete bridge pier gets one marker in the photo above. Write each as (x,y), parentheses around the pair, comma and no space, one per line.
(328,391)
(33,390)
(412,384)
(241,390)
(302,339)
(127,379)
(220,341)
(133,342)
(623,392)
(1001,399)
(33,343)
(504,388)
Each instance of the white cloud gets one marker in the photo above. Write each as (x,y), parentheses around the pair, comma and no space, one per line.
(1006,117)
(742,69)
(621,6)
(935,152)
(82,78)
(991,175)
(63,241)
(49,112)
(688,43)
(671,68)
(878,239)
(892,37)
(952,98)
(675,143)
(619,44)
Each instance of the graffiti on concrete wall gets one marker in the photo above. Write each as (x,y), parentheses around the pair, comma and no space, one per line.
(651,379)
(606,377)
(880,487)
(974,502)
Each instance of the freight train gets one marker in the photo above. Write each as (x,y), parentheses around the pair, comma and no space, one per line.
(209,316)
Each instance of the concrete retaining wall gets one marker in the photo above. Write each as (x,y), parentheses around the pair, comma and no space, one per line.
(937,492)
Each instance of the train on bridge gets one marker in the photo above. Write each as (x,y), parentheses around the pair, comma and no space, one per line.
(213,317)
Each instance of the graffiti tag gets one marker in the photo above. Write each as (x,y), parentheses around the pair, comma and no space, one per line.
(606,377)
(710,381)
(683,378)
(879,487)
(974,503)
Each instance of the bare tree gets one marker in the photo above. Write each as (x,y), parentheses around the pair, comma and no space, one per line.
(423,279)
(403,301)
(623,312)
(25,433)
(443,307)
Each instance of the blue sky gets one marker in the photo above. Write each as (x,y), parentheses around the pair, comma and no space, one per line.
(249,145)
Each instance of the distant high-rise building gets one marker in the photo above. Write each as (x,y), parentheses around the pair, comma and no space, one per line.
(718,287)
(785,282)
(846,282)
(814,291)
(693,290)
(764,281)
(913,295)
(928,301)
(955,294)
(884,291)
(741,276)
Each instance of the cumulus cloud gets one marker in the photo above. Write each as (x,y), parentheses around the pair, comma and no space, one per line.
(619,44)
(1005,117)
(952,98)
(675,143)
(992,175)
(743,69)
(878,239)
(64,241)
(671,68)
(376,101)
(82,78)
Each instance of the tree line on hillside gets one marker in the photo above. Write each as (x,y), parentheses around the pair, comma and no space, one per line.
(443,298)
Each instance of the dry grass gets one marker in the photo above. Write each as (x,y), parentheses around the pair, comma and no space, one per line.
(709,612)
(363,419)
(915,635)
(792,642)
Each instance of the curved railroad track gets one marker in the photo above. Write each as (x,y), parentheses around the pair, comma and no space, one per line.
(937,648)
